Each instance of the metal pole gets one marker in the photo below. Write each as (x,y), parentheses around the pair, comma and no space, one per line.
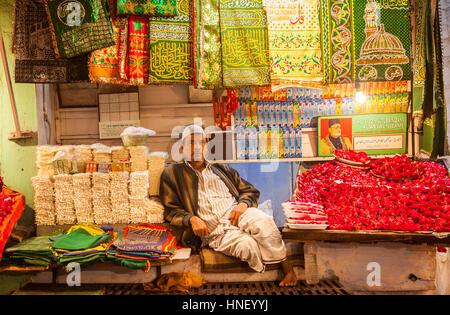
(8,83)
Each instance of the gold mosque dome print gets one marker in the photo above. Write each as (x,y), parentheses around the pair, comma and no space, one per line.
(379,47)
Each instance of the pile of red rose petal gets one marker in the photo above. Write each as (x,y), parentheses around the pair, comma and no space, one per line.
(399,167)
(305,215)
(355,199)
(358,157)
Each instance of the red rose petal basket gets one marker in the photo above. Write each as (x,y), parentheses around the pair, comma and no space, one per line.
(11,219)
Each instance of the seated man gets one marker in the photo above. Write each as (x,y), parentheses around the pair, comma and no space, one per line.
(210,204)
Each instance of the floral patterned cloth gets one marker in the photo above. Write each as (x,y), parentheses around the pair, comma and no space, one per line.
(207,47)
(104,63)
(138,50)
(164,8)
(294,41)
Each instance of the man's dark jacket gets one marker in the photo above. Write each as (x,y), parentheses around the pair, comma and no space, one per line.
(179,195)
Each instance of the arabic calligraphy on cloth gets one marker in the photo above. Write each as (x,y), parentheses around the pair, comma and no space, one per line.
(245,52)
(294,41)
(171,47)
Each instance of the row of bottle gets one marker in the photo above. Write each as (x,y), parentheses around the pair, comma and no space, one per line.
(328,91)
(301,114)
(268,143)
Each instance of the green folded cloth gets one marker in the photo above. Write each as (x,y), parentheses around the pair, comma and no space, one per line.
(80,239)
(32,251)
(84,260)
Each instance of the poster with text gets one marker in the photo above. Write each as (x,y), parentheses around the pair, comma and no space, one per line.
(371,133)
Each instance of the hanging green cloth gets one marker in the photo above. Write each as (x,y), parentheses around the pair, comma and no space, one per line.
(432,140)
(365,40)
(171,47)
(207,45)
(79,27)
(245,51)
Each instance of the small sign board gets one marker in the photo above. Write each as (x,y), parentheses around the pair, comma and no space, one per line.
(370,133)
(113,129)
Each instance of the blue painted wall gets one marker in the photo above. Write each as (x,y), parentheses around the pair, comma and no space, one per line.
(273,180)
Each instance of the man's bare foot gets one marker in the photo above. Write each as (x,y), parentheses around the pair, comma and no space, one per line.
(290,279)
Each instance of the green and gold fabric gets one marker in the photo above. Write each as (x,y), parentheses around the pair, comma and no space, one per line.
(79,26)
(163,8)
(245,52)
(366,40)
(207,45)
(171,47)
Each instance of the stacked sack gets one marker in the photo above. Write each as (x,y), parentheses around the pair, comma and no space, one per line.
(44,160)
(154,210)
(65,212)
(82,198)
(120,205)
(100,198)
(119,153)
(44,204)
(138,188)
(138,158)
(156,164)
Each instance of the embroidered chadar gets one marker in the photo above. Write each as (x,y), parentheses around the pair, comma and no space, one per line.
(163,8)
(147,238)
(104,64)
(79,26)
(294,41)
(171,47)
(207,45)
(245,53)
(35,60)
(366,40)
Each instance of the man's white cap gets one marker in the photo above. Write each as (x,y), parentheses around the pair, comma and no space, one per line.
(193,129)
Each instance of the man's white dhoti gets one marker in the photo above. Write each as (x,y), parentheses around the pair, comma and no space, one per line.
(256,240)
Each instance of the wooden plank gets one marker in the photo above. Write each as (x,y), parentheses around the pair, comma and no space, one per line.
(429,238)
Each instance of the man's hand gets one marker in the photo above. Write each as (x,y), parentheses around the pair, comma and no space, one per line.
(237,212)
(199,227)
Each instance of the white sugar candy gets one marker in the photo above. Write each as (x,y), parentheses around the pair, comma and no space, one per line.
(138,184)
(156,165)
(119,153)
(154,210)
(120,205)
(83,198)
(44,205)
(101,198)
(65,211)
(138,158)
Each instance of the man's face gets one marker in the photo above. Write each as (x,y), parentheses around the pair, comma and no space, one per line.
(193,147)
(335,130)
